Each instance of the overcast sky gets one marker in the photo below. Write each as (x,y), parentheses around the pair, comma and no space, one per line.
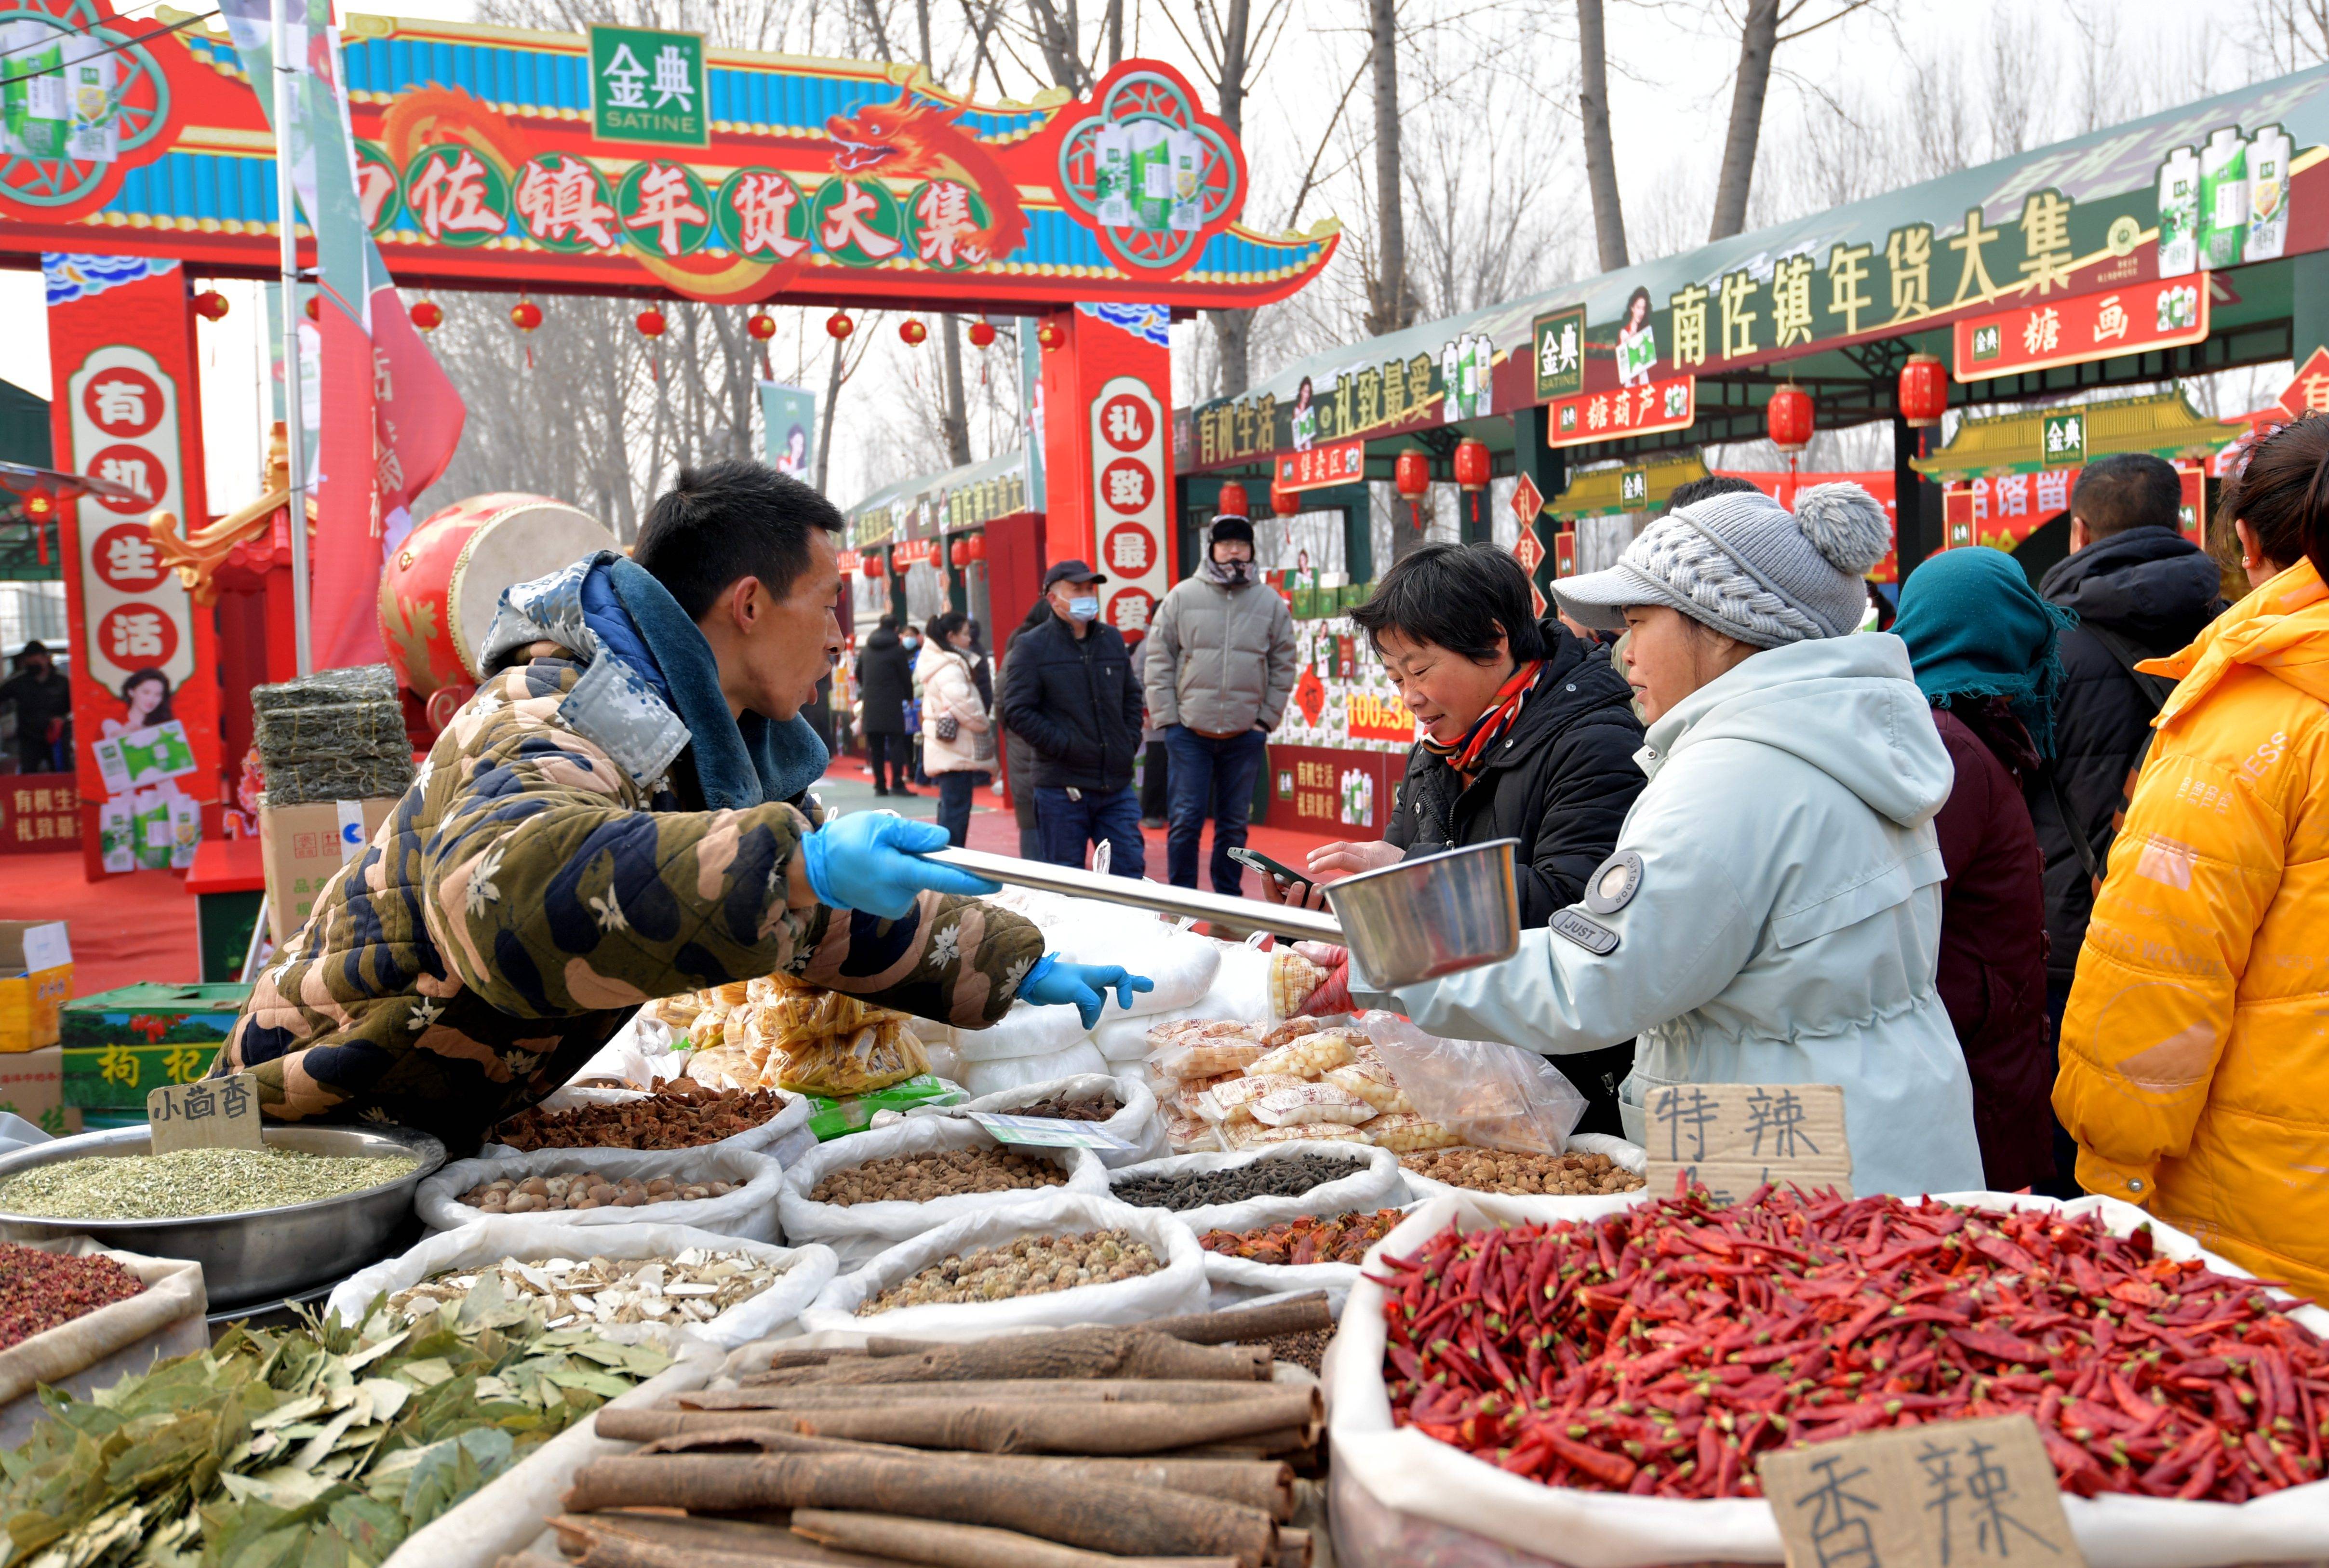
(1670,101)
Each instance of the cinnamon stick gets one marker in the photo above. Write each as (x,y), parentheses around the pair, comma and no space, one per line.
(1129,1521)
(1295,1315)
(1111,1391)
(945,1545)
(1264,1484)
(1067,1353)
(713,1542)
(1031,1426)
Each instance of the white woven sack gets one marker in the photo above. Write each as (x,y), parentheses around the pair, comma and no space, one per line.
(1179,965)
(858,1231)
(1082,1059)
(1123,1040)
(1375,1184)
(1521,1209)
(1240,988)
(1138,1124)
(1401,1498)
(1178,1287)
(505,1514)
(750,1213)
(783,1138)
(1025,1030)
(523,1237)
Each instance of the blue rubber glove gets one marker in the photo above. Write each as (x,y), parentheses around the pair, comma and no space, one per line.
(870,860)
(1083,986)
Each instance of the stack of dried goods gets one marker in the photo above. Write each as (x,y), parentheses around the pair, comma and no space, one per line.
(1497,1170)
(677,1115)
(694,1287)
(1286,1178)
(1029,1266)
(917,1178)
(583,1189)
(44,1290)
(1308,1239)
(776,1032)
(188,1183)
(1059,1448)
(317,1443)
(1662,1350)
(1227,1086)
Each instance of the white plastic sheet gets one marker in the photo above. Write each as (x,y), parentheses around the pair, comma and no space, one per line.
(982,1079)
(1178,1287)
(492,1240)
(858,1231)
(1401,1497)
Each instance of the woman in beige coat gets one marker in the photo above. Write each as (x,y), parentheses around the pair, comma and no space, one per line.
(950,701)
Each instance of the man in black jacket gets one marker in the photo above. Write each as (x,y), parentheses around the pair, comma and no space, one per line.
(1527,733)
(885,684)
(1068,687)
(2141,589)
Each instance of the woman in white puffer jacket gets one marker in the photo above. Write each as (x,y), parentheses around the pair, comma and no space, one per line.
(942,675)
(1772,911)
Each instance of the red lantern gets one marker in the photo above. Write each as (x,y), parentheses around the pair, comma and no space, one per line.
(1472,463)
(874,565)
(651,322)
(913,332)
(982,333)
(959,554)
(1412,475)
(1924,390)
(427,316)
(211,304)
(1049,335)
(762,326)
(975,547)
(838,325)
(314,311)
(526,316)
(1788,418)
(1285,503)
(1232,501)
(39,506)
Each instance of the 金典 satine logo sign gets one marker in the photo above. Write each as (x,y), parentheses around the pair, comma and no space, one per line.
(647,85)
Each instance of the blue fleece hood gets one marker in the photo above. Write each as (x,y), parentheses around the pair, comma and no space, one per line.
(651,689)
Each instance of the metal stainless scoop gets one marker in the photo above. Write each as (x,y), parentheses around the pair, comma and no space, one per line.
(1433,915)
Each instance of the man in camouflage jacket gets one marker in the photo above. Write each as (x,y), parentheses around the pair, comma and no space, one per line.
(611,818)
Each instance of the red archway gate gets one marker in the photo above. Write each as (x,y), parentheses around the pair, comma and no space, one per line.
(638,162)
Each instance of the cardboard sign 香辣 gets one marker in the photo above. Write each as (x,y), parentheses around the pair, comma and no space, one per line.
(1951,1494)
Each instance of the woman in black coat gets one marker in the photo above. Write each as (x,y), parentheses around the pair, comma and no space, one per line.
(1526,732)
(885,684)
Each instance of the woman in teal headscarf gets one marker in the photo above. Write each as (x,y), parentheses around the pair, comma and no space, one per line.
(1983,646)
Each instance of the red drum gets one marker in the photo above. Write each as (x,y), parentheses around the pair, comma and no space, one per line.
(441,588)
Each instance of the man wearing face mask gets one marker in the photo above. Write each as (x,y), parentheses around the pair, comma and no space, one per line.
(1068,688)
(1220,669)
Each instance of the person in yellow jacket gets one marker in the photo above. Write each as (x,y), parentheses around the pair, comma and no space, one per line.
(2195,1046)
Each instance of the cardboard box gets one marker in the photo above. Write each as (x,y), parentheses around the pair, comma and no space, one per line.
(118,1044)
(36,980)
(32,1085)
(302,846)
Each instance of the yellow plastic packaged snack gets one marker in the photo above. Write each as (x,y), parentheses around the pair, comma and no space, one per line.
(808,1040)
(1309,1102)
(1406,1132)
(1311,1056)
(1371,1082)
(1239,1135)
(1232,1098)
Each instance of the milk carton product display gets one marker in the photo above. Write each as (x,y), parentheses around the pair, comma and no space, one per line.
(1484,356)
(1188,181)
(2223,198)
(94,135)
(1152,175)
(1112,176)
(2179,213)
(34,104)
(2268,153)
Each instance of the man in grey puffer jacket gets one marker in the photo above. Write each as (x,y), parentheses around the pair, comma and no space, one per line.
(1219,672)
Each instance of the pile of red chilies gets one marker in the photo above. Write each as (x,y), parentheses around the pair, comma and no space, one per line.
(1660,1351)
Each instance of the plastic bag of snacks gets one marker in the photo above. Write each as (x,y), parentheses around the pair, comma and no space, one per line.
(821,1042)
(1486,1093)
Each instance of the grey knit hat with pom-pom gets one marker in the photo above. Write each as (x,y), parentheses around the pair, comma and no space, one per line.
(1746,566)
